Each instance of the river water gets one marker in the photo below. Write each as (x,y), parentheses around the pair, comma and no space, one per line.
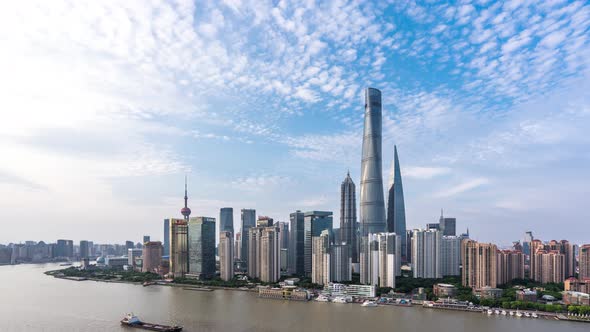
(32,301)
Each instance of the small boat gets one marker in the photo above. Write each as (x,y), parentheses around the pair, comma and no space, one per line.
(65,264)
(534,315)
(133,321)
(322,298)
(369,304)
(526,314)
(148,283)
(339,299)
(511,313)
(490,312)
(496,312)
(518,314)
(504,312)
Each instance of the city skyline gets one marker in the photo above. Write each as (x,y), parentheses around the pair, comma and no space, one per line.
(261,106)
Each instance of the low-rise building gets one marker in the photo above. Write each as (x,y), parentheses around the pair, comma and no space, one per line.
(526,295)
(284,293)
(444,290)
(336,289)
(115,262)
(487,292)
(576,285)
(570,297)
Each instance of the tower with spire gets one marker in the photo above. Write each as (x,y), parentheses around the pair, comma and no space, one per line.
(186,212)
(348,222)
(396,210)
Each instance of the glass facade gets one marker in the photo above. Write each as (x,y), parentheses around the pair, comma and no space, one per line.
(201,246)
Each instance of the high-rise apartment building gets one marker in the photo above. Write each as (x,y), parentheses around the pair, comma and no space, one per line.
(584,258)
(479,264)
(226,220)
(238,246)
(64,248)
(84,249)
(389,258)
(320,258)
(201,247)
(264,253)
(510,266)
(152,256)
(548,266)
(426,257)
(226,255)
(340,262)
(296,264)
(396,210)
(178,239)
(372,205)
(450,255)
(314,223)
(248,217)
(348,222)
(568,251)
(369,260)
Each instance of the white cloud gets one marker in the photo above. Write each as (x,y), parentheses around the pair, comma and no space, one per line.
(423,173)
(463,187)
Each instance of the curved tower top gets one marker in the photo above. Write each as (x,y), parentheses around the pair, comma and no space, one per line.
(372,205)
(396,210)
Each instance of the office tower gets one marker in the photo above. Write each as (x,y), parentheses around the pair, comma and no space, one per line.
(178,247)
(264,253)
(548,266)
(132,254)
(450,255)
(408,253)
(146,238)
(248,217)
(64,249)
(314,223)
(396,210)
(166,244)
(584,262)
(129,245)
(284,231)
(426,258)
(348,222)
(448,226)
(201,247)
(372,206)
(479,264)
(152,256)
(320,258)
(526,243)
(369,260)
(84,249)
(296,244)
(389,265)
(340,262)
(510,266)
(185,211)
(226,220)
(238,246)
(433,226)
(226,255)
(284,259)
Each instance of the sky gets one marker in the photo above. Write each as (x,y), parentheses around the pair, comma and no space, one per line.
(106,105)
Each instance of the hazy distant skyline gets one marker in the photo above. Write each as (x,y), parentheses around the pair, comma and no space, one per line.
(106,106)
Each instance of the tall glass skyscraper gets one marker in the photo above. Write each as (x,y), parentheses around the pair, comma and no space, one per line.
(166,251)
(296,244)
(314,223)
(396,210)
(348,223)
(201,246)
(226,220)
(248,221)
(372,206)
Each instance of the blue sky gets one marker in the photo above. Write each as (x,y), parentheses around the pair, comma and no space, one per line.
(107,104)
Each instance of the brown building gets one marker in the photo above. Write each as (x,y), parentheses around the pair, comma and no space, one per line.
(444,290)
(152,256)
(264,252)
(178,247)
(547,266)
(576,285)
(526,295)
(510,266)
(226,255)
(584,262)
(479,264)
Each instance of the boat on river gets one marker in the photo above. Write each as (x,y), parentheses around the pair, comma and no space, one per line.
(369,304)
(131,320)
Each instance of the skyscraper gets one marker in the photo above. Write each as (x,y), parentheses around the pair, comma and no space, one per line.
(450,255)
(479,264)
(548,266)
(348,223)
(296,263)
(584,257)
(314,223)
(284,232)
(264,253)
(226,220)
(201,247)
(146,238)
(389,258)
(320,258)
(248,220)
(238,246)
(340,262)
(84,249)
(64,248)
(396,210)
(226,255)
(448,226)
(166,251)
(185,211)
(152,256)
(372,206)
(178,247)
(510,266)
(426,258)
(369,259)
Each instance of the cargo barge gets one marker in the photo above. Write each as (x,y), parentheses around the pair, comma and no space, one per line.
(133,321)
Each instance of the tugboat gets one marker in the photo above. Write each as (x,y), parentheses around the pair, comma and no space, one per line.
(133,321)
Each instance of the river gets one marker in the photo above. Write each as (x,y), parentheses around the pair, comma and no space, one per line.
(32,301)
